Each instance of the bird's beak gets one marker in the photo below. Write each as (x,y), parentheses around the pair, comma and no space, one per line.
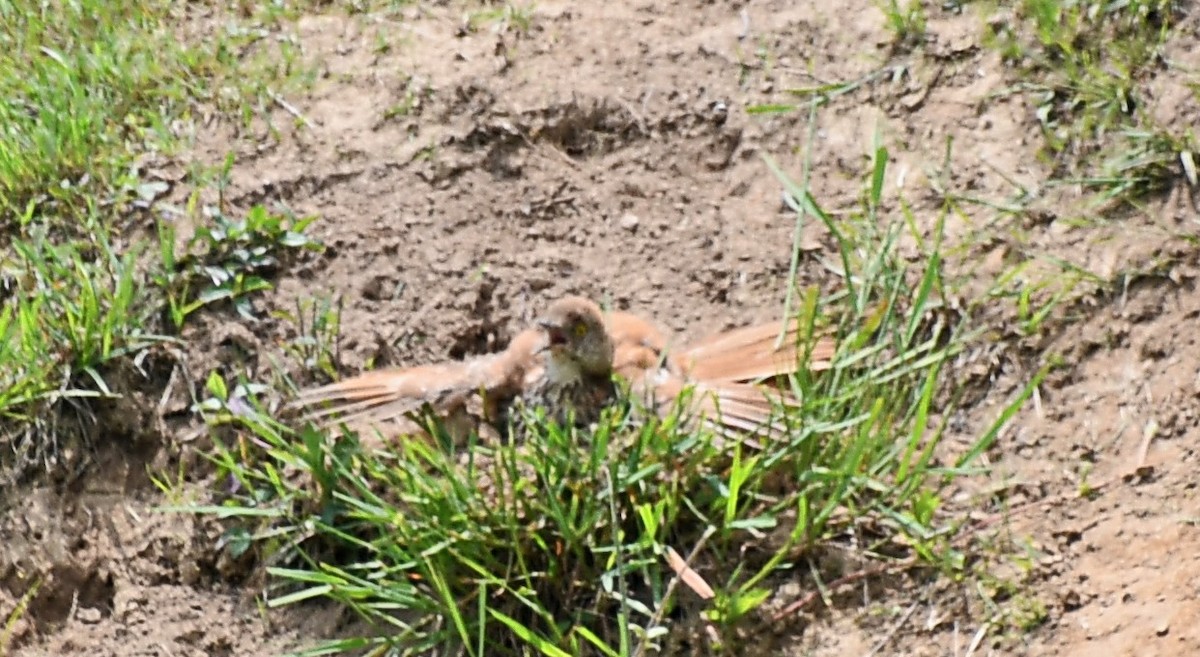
(555,334)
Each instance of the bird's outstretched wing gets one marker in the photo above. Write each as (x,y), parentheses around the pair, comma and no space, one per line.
(376,398)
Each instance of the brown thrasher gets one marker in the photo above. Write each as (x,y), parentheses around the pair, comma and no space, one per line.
(565,365)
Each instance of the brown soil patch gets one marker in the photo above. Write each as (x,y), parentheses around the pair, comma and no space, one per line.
(464,178)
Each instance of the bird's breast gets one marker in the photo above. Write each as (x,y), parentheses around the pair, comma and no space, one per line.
(570,394)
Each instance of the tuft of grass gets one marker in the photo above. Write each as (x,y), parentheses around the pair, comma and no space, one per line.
(1083,66)
(906,20)
(69,313)
(76,308)
(510,16)
(15,616)
(568,542)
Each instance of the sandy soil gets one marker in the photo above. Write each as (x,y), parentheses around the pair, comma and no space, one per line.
(465,177)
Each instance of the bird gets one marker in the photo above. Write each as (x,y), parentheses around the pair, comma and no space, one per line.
(565,364)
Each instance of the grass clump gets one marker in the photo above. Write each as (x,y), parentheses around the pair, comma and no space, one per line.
(87,86)
(93,92)
(570,542)
(82,311)
(1084,65)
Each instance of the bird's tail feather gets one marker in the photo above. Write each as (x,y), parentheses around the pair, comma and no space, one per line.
(751,354)
(732,410)
(743,408)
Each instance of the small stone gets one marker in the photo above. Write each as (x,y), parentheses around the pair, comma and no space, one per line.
(1071,600)
(377,288)
(88,615)
(189,572)
(629,222)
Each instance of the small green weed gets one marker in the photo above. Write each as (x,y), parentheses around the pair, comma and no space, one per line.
(233,258)
(318,324)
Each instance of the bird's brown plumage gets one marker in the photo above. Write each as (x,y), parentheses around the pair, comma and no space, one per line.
(564,365)
(724,371)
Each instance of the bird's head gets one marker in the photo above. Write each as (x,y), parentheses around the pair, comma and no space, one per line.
(575,334)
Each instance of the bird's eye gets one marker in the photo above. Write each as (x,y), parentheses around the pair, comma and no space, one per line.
(580,329)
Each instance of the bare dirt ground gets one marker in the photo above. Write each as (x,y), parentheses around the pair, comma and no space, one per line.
(464,177)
